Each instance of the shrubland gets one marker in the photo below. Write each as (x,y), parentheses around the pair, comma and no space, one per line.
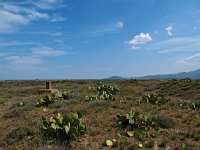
(124,114)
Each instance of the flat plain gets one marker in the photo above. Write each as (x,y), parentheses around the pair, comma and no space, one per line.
(178,128)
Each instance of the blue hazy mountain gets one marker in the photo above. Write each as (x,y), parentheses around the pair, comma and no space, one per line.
(192,74)
(116,78)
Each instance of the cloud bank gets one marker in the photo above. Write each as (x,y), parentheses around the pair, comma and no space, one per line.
(193,60)
(14,15)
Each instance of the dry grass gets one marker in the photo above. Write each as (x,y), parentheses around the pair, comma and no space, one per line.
(19,126)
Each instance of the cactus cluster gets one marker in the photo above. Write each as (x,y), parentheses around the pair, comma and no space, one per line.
(69,127)
(136,120)
(136,124)
(49,99)
(154,99)
(192,106)
(107,88)
(186,80)
(105,92)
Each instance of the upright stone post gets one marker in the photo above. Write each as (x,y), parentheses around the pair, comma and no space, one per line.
(48,89)
(48,85)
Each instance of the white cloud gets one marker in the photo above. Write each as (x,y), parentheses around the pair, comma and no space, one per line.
(55,33)
(36,15)
(169,30)
(47,51)
(104,29)
(140,39)
(48,4)
(57,18)
(15,43)
(176,44)
(35,53)
(29,13)
(23,60)
(119,24)
(21,66)
(47,33)
(13,8)
(14,15)
(9,21)
(32,62)
(193,60)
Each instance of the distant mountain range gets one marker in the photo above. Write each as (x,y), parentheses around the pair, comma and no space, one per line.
(192,74)
(116,78)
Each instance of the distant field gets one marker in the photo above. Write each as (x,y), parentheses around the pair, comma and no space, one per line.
(178,126)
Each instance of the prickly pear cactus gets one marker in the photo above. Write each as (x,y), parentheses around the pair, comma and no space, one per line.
(69,127)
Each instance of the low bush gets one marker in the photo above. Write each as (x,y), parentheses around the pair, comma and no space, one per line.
(18,134)
(195,135)
(165,122)
(150,143)
(163,143)
(13,113)
(2,101)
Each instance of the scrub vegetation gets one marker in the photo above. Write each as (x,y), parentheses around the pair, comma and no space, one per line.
(107,114)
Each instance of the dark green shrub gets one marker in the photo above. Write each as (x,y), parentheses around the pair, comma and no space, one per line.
(165,122)
(60,104)
(13,113)
(18,134)
(173,137)
(196,137)
(193,134)
(150,143)
(2,101)
(163,143)
(99,104)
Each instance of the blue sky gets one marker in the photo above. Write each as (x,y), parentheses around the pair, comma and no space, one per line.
(88,39)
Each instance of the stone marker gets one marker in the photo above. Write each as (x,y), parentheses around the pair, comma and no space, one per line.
(48,85)
(48,89)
